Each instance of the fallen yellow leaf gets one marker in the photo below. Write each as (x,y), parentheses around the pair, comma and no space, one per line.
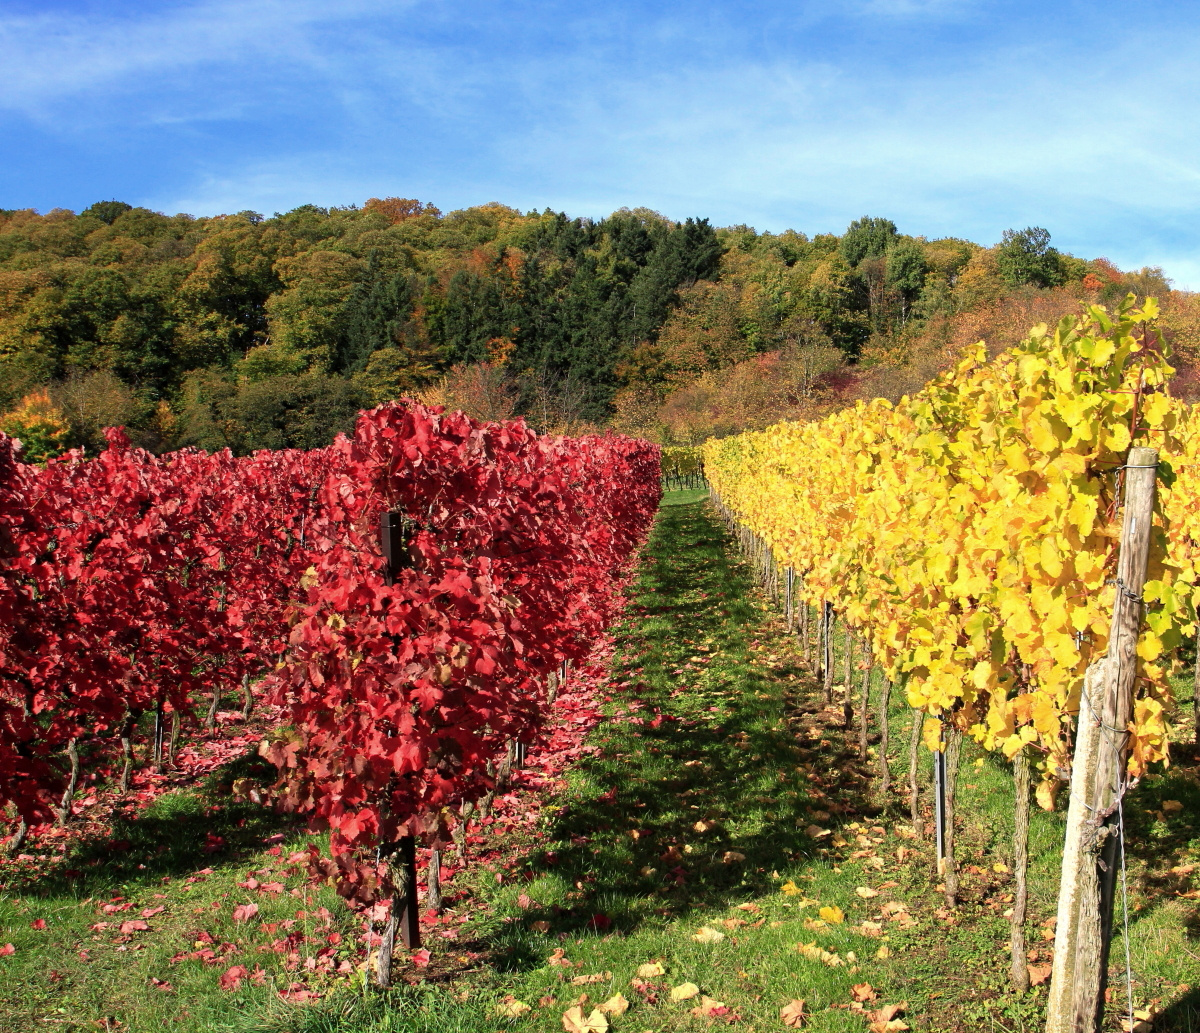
(595,977)
(510,1008)
(684,991)
(707,935)
(866,892)
(832,914)
(651,969)
(615,1005)
(793,1014)
(708,1008)
(574,1022)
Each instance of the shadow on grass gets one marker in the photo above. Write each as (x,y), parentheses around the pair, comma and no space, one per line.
(1181,1016)
(176,835)
(696,806)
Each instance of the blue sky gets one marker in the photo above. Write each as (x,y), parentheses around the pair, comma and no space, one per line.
(952,117)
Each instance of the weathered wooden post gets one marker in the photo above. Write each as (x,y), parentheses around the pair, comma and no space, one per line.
(393,541)
(1091,851)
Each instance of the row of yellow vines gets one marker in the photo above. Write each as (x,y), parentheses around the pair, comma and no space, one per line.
(970,532)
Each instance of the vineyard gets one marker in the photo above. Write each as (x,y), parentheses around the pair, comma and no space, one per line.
(546,746)
(411,594)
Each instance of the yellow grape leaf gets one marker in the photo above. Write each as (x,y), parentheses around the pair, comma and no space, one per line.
(684,991)
(651,969)
(832,914)
(707,935)
(931,733)
(815,953)
(510,1008)
(709,1008)
(615,1006)
(1047,793)
(595,977)
(866,892)
(793,1015)
(790,889)
(574,1022)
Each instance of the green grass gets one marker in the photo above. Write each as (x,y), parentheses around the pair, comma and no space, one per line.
(667,829)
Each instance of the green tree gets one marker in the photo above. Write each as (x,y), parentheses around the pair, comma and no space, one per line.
(867,238)
(1026,257)
(906,268)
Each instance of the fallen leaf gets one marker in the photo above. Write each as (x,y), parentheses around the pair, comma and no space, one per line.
(651,969)
(863,992)
(540,927)
(574,1022)
(707,935)
(1039,974)
(684,991)
(134,926)
(709,1008)
(752,908)
(816,832)
(421,957)
(1172,806)
(872,929)
(510,1008)
(793,1014)
(733,857)
(790,889)
(161,984)
(232,977)
(832,914)
(815,953)
(244,912)
(38,923)
(615,1005)
(884,952)
(595,977)
(884,1020)
(559,959)
(866,892)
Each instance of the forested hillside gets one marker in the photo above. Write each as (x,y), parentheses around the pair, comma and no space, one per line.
(258,332)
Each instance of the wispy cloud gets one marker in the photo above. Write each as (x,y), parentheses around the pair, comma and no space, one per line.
(956,117)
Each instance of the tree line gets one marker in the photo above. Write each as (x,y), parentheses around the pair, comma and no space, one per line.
(249,332)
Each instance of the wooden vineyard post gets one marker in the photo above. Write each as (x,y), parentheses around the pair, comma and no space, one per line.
(789,575)
(827,652)
(939,800)
(1092,847)
(914,785)
(1196,695)
(410,915)
(393,542)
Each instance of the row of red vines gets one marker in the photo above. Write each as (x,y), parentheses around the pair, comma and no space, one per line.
(132,583)
(400,694)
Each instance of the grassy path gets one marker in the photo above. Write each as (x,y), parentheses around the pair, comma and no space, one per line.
(722,831)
